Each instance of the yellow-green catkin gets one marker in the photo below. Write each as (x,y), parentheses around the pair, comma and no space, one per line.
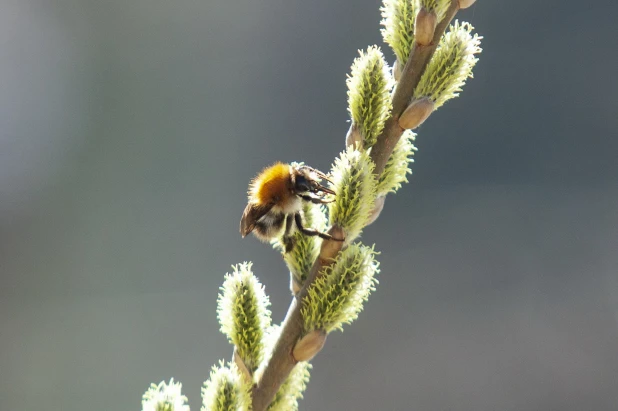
(398,165)
(165,397)
(225,390)
(306,248)
(450,66)
(338,295)
(398,18)
(369,94)
(355,185)
(243,314)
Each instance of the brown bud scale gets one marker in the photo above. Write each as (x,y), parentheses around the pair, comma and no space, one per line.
(242,367)
(397,67)
(425,26)
(464,4)
(416,113)
(308,346)
(353,136)
(295,286)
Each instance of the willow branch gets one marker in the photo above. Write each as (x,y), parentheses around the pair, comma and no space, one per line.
(410,77)
(282,361)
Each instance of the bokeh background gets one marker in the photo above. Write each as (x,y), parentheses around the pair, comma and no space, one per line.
(130,129)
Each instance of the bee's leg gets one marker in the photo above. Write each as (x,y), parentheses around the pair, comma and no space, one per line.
(288,235)
(315,200)
(311,231)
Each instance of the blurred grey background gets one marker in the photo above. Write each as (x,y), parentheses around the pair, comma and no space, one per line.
(130,129)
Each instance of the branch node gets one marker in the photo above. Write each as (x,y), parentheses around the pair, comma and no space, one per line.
(242,367)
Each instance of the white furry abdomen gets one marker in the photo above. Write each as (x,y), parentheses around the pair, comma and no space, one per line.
(293,205)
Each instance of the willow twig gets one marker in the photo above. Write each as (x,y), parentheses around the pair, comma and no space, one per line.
(410,77)
(282,361)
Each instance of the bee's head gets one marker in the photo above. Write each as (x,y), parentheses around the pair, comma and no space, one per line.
(307,180)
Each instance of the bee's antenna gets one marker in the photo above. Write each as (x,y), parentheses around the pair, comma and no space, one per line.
(323,176)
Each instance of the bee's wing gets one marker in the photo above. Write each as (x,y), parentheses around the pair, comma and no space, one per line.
(252,213)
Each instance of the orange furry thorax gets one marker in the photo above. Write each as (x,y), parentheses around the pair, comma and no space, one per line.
(271,185)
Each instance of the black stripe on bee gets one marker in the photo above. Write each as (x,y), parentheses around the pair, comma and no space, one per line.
(270,225)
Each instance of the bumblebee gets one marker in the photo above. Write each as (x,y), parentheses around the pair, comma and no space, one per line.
(275,199)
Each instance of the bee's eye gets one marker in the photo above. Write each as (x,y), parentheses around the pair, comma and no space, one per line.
(302,184)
